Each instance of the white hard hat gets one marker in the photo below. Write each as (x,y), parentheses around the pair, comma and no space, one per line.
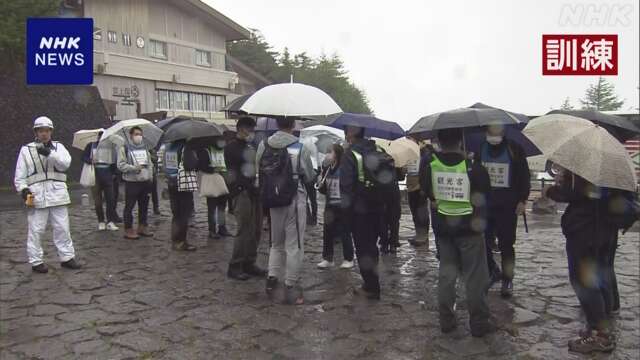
(43,122)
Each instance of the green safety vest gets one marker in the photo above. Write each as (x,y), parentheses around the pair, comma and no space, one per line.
(360,167)
(216,159)
(450,185)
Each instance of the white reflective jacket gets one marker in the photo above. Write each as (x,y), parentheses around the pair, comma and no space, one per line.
(43,175)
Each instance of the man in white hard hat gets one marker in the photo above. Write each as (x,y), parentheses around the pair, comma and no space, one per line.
(41,180)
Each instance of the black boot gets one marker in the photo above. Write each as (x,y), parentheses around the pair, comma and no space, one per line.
(255,270)
(272,283)
(222,231)
(71,264)
(183,246)
(40,268)
(507,289)
(237,275)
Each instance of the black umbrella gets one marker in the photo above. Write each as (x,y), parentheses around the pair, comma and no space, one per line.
(235,104)
(166,123)
(191,129)
(524,119)
(621,128)
(461,118)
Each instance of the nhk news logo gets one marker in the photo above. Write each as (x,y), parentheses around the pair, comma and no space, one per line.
(579,54)
(59,51)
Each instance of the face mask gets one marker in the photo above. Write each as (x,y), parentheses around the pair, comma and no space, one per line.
(137,139)
(251,136)
(494,140)
(436,147)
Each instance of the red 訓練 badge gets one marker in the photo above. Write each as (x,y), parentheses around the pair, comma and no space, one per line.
(580,54)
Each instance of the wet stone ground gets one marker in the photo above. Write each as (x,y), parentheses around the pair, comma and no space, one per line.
(139,299)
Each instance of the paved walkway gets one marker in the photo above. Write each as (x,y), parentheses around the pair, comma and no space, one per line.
(138,299)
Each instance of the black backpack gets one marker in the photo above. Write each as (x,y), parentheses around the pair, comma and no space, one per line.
(379,171)
(278,183)
(623,209)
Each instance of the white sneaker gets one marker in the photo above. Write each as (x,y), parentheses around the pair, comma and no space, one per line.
(325,264)
(346,265)
(112,227)
(101,226)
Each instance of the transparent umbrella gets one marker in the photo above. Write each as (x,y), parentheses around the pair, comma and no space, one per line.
(584,148)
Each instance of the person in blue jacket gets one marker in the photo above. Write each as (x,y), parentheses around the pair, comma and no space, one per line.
(508,170)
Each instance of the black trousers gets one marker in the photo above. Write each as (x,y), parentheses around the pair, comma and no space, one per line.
(312,203)
(590,277)
(613,281)
(216,218)
(154,191)
(117,177)
(136,192)
(181,207)
(336,227)
(103,194)
(248,213)
(419,206)
(390,221)
(434,225)
(364,238)
(502,223)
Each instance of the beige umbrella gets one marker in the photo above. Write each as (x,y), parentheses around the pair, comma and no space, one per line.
(82,138)
(402,150)
(583,148)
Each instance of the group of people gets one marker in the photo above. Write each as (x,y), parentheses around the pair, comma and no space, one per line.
(469,200)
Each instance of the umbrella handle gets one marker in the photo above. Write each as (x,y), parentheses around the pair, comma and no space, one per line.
(526,226)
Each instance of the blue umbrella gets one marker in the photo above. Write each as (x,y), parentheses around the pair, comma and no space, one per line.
(474,138)
(373,127)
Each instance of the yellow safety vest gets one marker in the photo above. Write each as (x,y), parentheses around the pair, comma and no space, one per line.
(216,159)
(451,188)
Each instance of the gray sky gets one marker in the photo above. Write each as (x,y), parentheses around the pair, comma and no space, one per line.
(414,58)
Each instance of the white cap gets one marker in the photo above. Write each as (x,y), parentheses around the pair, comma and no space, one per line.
(43,122)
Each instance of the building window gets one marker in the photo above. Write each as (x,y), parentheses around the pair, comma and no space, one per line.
(189,101)
(203,58)
(179,100)
(112,36)
(162,99)
(157,49)
(126,39)
(198,102)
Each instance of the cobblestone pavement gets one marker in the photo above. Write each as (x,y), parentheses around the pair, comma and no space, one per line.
(138,299)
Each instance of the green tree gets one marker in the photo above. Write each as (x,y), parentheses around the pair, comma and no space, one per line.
(326,73)
(566,105)
(13,25)
(601,96)
(254,52)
